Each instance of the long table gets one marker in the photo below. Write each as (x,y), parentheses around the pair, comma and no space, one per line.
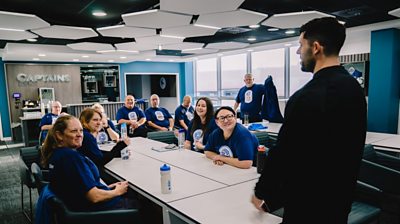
(192,176)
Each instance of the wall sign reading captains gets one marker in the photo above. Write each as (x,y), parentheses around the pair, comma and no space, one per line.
(29,78)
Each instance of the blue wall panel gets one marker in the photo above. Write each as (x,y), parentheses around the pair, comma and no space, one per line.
(5,115)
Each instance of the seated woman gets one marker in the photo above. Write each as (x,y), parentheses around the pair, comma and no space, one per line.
(108,126)
(232,143)
(73,177)
(92,123)
(202,125)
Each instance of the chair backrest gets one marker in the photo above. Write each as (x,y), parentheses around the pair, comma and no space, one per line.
(369,153)
(262,137)
(37,173)
(163,136)
(28,155)
(384,178)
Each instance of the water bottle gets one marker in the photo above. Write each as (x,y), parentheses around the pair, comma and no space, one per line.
(181,138)
(165,172)
(261,154)
(124,133)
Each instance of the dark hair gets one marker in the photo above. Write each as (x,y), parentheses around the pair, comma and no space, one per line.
(86,116)
(209,115)
(327,31)
(51,142)
(224,108)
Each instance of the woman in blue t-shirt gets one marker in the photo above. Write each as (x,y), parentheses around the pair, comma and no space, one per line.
(73,177)
(201,126)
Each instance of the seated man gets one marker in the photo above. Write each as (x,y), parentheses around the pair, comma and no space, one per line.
(232,143)
(48,119)
(158,118)
(133,116)
(184,113)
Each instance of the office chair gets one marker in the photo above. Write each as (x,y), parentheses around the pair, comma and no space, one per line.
(262,137)
(163,136)
(62,215)
(28,155)
(370,154)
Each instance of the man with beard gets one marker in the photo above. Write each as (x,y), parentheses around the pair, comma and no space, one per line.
(312,170)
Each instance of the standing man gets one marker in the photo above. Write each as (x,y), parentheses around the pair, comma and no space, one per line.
(312,170)
(158,118)
(250,99)
(49,119)
(133,116)
(184,113)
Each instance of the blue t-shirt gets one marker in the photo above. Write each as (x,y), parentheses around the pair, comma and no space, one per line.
(90,147)
(183,113)
(159,116)
(47,119)
(103,135)
(130,114)
(198,133)
(241,144)
(250,100)
(71,176)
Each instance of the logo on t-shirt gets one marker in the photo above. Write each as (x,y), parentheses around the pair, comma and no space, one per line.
(248,96)
(225,151)
(159,115)
(198,136)
(132,115)
(189,115)
(53,119)
(101,137)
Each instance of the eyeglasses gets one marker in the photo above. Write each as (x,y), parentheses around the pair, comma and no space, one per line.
(227,117)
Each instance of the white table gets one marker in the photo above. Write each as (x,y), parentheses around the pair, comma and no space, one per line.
(389,144)
(194,162)
(107,147)
(376,136)
(227,205)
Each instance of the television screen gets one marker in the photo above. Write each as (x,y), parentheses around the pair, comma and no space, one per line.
(163,85)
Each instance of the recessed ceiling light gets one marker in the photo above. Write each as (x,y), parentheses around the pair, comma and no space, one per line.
(75,59)
(255,26)
(122,57)
(148,59)
(99,13)
(251,39)
(110,60)
(35,59)
(287,45)
(290,31)
(171,60)
(31,40)
(273,29)
(85,56)
(41,55)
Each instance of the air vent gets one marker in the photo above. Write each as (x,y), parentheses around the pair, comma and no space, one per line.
(353,12)
(234,30)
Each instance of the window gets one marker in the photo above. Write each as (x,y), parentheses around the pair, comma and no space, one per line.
(270,62)
(233,68)
(206,77)
(298,78)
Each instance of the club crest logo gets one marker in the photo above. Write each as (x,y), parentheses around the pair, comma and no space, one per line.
(225,151)
(101,137)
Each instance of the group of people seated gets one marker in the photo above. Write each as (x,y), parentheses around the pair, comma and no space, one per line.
(71,148)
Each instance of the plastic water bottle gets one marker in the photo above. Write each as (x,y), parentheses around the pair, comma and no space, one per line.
(124,133)
(165,172)
(261,154)
(181,138)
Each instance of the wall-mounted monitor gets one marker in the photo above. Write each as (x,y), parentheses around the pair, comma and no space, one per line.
(163,85)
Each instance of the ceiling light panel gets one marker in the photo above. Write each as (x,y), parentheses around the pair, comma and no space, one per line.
(227,45)
(293,20)
(200,51)
(395,12)
(182,46)
(124,31)
(66,32)
(189,31)
(197,7)
(15,35)
(156,19)
(21,21)
(90,46)
(158,39)
(240,17)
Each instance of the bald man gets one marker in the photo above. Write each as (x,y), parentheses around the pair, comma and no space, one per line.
(158,118)
(184,113)
(134,118)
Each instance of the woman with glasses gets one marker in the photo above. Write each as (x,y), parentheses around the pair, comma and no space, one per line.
(202,125)
(232,143)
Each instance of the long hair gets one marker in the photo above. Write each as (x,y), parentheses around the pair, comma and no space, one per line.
(209,115)
(86,116)
(51,142)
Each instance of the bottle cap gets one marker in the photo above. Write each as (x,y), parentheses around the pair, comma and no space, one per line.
(261,148)
(165,167)
(123,125)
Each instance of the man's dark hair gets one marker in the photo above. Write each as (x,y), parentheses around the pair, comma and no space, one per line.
(327,31)
(224,108)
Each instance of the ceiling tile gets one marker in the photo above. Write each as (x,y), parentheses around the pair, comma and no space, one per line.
(90,46)
(155,19)
(158,39)
(182,46)
(20,21)
(133,46)
(240,17)
(66,32)
(292,20)
(15,35)
(395,12)
(124,31)
(200,51)
(119,52)
(227,45)
(197,7)
(189,31)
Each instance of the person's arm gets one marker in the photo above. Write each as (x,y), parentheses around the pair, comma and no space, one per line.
(187,144)
(211,155)
(121,121)
(153,125)
(96,195)
(46,127)
(113,135)
(243,164)
(182,123)
(171,124)
(235,106)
